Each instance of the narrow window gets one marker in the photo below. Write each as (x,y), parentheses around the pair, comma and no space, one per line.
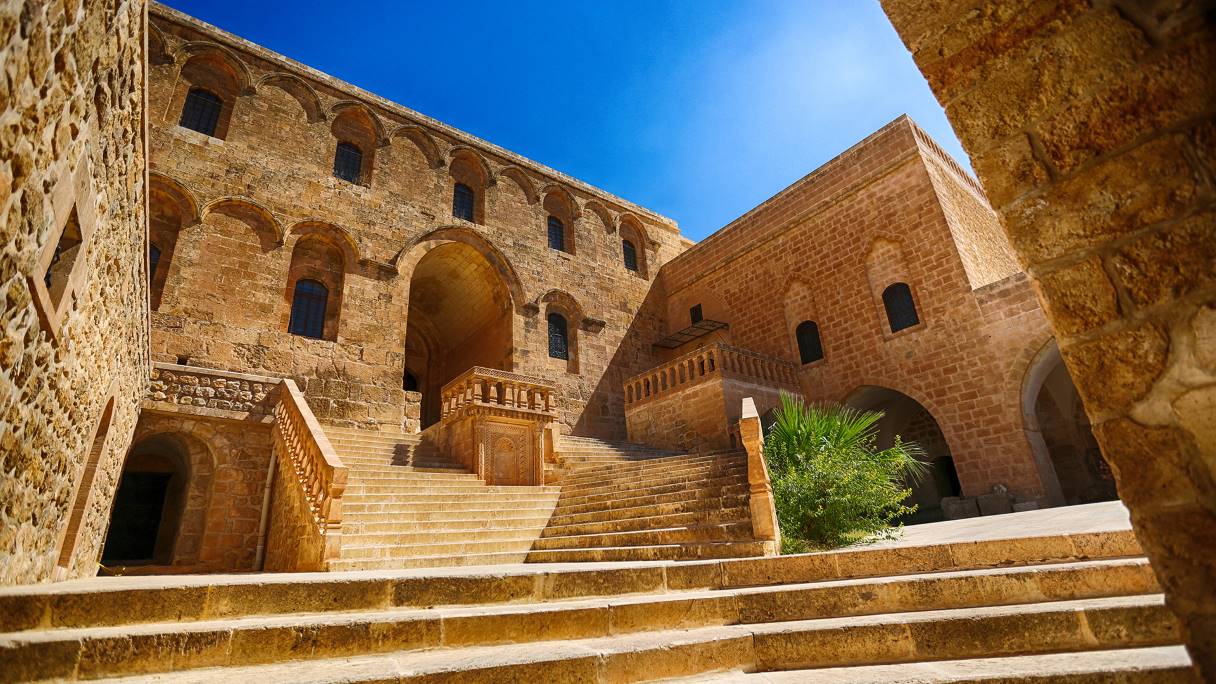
(631,255)
(901,310)
(462,202)
(348,162)
(559,342)
(202,111)
(695,314)
(153,260)
(557,235)
(410,382)
(810,347)
(308,309)
(64,259)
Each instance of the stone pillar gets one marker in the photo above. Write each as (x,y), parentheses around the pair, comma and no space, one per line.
(760,490)
(1091,128)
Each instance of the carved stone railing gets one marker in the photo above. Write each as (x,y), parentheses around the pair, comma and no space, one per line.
(495,423)
(307,520)
(714,361)
(490,388)
(763,508)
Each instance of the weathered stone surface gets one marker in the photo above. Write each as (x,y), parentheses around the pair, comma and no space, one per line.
(1167,264)
(1115,370)
(1079,297)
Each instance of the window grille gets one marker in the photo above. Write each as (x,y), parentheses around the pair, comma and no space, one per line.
(559,341)
(462,202)
(308,309)
(202,111)
(348,162)
(695,314)
(557,234)
(631,255)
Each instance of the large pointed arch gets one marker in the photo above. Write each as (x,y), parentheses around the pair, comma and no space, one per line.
(409,257)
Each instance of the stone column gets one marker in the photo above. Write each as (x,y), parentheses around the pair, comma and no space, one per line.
(760,490)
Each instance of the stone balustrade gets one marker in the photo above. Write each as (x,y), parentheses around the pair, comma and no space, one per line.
(487,387)
(310,485)
(714,361)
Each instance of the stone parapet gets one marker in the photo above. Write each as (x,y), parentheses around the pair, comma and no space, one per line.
(705,363)
(188,387)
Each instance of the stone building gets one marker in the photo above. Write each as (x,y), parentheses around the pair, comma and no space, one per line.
(259,319)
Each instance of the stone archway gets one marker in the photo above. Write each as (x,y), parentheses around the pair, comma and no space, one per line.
(1059,433)
(906,418)
(459,316)
(148,507)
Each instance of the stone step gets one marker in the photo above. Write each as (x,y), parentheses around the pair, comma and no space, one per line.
(662,486)
(391,472)
(689,505)
(1149,665)
(691,474)
(572,647)
(424,515)
(360,526)
(107,601)
(624,468)
(684,551)
(453,547)
(714,516)
(464,560)
(735,530)
(415,535)
(683,494)
(459,504)
(363,491)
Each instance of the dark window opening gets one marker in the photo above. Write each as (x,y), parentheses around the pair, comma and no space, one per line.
(810,347)
(308,309)
(348,162)
(559,342)
(409,383)
(462,202)
(631,255)
(202,111)
(64,259)
(183,360)
(139,506)
(694,314)
(153,260)
(901,310)
(557,234)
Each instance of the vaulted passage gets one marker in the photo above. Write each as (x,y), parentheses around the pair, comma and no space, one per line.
(459,316)
(905,417)
(148,506)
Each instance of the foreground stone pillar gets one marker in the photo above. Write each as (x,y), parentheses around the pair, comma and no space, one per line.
(760,489)
(1091,128)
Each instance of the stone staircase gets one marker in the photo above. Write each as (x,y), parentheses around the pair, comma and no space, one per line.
(622,501)
(1079,607)
(406,506)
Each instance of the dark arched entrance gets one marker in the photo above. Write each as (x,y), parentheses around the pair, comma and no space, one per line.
(904,417)
(148,506)
(459,317)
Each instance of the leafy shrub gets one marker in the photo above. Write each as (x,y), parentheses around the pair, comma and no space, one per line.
(832,485)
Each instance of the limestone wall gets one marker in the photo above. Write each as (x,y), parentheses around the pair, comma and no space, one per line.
(887,210)
(74,362)
(231,210)
(1091,128)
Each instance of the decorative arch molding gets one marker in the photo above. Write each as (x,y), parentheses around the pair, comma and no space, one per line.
(201,48)
(299,89)
(932,407)
(473,156)
(355,106)
(523,181)
(596,207)
(630,220)
(566,196)
(158,47)
(199,463)
(423,140)
(1034,376)
(179,193)
(238,206)
(564,301)
(407,259)
(333,233)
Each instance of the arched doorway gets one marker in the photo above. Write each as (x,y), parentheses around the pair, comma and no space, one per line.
(904,417)
(459,317)
(148,506)
(1060,434)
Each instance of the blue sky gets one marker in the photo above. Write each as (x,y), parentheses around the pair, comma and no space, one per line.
(697,109)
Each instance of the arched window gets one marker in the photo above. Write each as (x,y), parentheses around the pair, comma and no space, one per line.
(308,309)
(810,347)
(153,260)
(631,255)
(463,202)
(557,235)
(559,340)
(409,383)
(202,111)
(348,162)
(901,310)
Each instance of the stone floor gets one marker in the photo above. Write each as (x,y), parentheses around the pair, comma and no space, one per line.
(1108,516)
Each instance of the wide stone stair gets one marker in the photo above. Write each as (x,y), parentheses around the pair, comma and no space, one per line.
(1081,607)
(406,506)
(623,501)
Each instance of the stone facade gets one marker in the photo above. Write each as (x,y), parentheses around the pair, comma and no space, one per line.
(1090,126)
(74,349)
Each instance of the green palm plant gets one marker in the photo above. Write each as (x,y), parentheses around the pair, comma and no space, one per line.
(832,484)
